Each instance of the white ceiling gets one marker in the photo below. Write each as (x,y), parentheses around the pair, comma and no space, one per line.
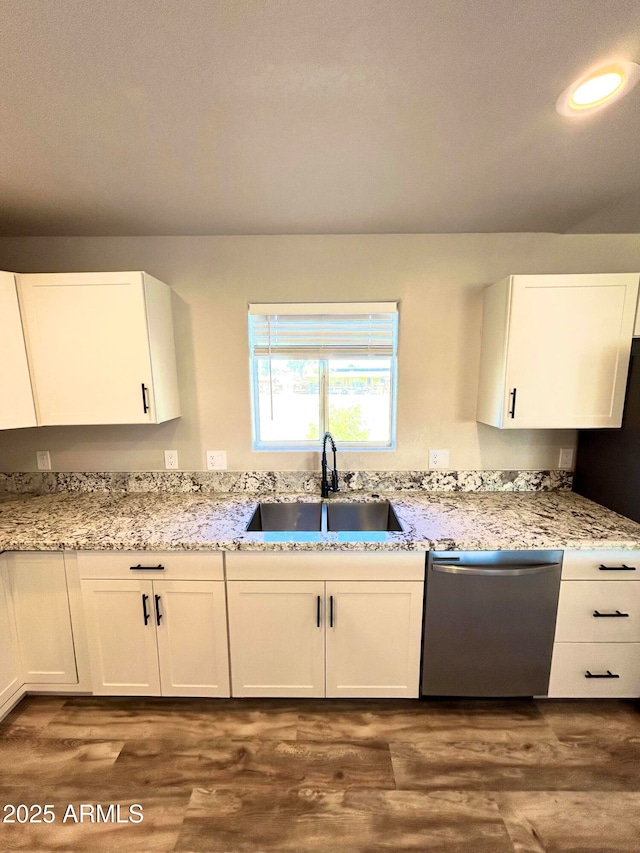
(137,117)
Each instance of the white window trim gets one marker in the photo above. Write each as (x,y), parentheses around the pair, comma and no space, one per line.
(326,308)
(271,308)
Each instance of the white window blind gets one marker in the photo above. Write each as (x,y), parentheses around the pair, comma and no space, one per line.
(329,330)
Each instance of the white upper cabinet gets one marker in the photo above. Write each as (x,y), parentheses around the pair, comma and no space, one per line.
(100,347)
(16,398)
(555,350)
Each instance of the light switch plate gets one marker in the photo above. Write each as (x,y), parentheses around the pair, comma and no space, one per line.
(438,459)
(43,460)
(216,460)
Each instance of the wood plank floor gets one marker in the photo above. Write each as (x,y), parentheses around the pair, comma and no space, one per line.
(260,776)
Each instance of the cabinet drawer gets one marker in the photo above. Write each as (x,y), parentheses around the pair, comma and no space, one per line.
(572,661)
(326,566)
(176,565)
(580,603)
(586,565)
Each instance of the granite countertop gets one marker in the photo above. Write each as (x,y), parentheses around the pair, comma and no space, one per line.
(158,521)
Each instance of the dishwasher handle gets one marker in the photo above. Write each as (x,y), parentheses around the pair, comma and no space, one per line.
(494,571)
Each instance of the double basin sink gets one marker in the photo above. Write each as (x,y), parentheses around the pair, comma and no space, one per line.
(323,517)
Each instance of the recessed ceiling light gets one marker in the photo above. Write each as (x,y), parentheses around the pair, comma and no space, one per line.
(598,88)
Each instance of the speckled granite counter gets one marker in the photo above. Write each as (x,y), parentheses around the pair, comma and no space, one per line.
(431,520)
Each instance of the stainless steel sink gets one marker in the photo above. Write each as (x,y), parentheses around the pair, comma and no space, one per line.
(341,516)
(274,517)
(357,516)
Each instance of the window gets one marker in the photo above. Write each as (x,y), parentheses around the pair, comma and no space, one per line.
(318,367)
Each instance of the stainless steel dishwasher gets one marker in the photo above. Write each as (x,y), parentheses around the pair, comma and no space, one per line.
(489,622)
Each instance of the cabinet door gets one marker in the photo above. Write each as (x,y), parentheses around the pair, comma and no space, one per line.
(10,679)
(88,347)
(192,637)
(276,638)
(373,638)
(16,398)
(41,606)
(121,635)
(568,349)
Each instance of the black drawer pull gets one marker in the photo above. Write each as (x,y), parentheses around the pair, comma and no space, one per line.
(145,404)
(512,410)
(615,615)
(141,568)
(607,674)
(317,611)
(331,611)
(158,614)
(621,568)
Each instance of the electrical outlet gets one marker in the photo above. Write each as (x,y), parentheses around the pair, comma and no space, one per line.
(43,460)
(566,458)
(438,459)
(171,459)
(216,460)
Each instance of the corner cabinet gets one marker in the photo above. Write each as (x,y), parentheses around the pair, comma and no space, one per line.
(156,623)
(555,350)
(100,347)
(307,624)
(40,596)
(10,674)
(16,397)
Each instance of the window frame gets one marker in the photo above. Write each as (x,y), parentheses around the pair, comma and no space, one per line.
(323,367)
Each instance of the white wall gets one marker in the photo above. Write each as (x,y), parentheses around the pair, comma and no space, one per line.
(438,280)
(620,216)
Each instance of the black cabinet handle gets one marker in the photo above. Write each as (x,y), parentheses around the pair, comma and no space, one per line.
(621,568)
(615,615)
(512,410)
(607,674)
(145,612)
(141,568)
(158,614)
(145,404)
(317,611)
(331,611)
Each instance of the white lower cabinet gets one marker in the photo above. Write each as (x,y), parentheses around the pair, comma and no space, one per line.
(597,643)
(151,637)
(121,636)
(192,638)
(373,638)
(324,636)
(276,636)
(10,674)
(42,611)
